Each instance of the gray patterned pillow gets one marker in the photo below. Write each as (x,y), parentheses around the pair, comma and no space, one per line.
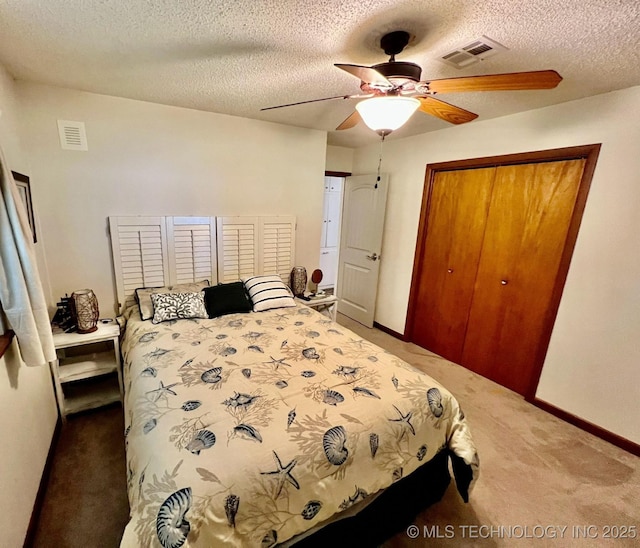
(176,306)
(143,295)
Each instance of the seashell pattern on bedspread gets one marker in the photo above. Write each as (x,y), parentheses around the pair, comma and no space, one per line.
(253,447)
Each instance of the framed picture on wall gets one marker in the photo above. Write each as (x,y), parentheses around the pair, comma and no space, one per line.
(22,182)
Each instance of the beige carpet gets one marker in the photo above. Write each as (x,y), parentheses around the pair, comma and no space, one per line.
(543,482)
(537,473)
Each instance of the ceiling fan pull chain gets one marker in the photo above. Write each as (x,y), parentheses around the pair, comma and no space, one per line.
(379,162)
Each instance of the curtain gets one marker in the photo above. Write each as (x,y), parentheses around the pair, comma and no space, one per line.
(21,295)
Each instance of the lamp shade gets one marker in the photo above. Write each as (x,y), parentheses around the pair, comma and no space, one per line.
(386,114)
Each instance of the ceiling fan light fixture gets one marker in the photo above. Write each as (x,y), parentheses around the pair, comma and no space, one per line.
(386,114)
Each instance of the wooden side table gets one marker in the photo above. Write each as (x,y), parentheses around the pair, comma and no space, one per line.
(73,370)
(328,305)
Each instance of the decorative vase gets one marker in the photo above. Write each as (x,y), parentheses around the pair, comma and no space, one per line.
(298,280)
(85,307)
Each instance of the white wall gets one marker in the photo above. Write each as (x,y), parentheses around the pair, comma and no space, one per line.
(591,369)
(150,159)
(28,411)
(339,159)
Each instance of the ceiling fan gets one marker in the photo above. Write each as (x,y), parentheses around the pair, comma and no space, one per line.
(400,79)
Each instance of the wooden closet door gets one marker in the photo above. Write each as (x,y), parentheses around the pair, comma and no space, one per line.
(529,216)
(459,203)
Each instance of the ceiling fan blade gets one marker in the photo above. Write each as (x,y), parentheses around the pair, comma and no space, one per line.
(445,111)
(350,121)
(315,101)
(539,79)
(366,74)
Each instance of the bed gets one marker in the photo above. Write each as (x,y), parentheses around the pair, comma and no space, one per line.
(250,429)
(279,427)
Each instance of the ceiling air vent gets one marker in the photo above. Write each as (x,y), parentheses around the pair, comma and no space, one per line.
(478,50)
(72,135)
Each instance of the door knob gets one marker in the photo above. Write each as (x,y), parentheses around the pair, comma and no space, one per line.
(450,270)
(373,257)
(504,282)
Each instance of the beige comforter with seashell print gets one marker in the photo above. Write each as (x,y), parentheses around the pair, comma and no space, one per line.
(248,429)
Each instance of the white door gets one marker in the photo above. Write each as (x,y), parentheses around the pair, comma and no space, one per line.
(365,201)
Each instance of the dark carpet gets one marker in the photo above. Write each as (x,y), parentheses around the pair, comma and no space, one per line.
(86,504)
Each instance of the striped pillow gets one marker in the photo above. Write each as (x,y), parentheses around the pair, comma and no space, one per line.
(268,292)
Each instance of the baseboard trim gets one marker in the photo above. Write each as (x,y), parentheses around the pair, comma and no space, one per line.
(42,489)
(594,429)
(388,331)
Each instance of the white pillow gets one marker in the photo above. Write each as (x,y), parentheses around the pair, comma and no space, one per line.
(268,292)
(178,306)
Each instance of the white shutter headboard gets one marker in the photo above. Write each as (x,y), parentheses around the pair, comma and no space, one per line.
(277,244)
(192,249)
(255,245)
(139,247)
(158,251)
(237,248)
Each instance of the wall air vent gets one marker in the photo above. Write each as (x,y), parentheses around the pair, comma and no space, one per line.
(471,53)
(72,135)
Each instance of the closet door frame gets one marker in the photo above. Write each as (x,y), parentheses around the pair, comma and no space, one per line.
(589,153)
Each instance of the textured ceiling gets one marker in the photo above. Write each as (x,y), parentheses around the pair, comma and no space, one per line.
(237,56)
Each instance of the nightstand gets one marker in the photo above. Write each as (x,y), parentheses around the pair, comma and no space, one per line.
(328,305)
(83,374)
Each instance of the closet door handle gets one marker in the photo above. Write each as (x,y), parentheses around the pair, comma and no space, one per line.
(450,270)
(504,282)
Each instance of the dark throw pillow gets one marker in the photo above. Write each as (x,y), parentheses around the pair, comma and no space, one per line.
(226,299)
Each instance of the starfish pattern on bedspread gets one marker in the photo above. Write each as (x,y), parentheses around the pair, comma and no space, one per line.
(283,473)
